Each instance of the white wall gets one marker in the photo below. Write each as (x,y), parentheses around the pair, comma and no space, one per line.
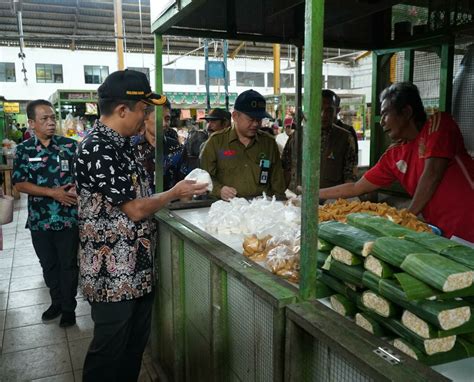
(73,71)
(362,78)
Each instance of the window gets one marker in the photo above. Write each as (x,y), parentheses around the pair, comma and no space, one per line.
(7,72)
(143,70)
(179,76)
(95,74)
(49,73)
(339,82)
(287,80)
(250,79)
(213,81)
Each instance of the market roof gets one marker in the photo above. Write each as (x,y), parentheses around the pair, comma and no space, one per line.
(75,24)
(89,25)
(354,24)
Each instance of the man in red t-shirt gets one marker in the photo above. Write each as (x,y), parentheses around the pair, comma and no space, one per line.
(429,159)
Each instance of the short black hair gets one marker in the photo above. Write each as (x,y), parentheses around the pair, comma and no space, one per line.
(31,107)
(402,94)
(107,106)
(329,94)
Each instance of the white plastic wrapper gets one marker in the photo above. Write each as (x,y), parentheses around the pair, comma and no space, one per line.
(261,217)
(200,176)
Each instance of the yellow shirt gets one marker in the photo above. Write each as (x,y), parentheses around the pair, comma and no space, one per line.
(230,163)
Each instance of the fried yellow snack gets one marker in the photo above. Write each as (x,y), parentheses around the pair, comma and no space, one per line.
(341,208)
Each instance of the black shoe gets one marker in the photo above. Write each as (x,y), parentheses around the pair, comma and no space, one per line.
(67,319)
(51,313)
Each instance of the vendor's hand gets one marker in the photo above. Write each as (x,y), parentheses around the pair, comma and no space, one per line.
(228,193)
(187,188)
(66,198)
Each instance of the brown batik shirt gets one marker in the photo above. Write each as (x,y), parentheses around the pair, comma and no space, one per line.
(116,260)
(338,158)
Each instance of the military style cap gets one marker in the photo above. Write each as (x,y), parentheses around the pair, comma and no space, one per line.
(217,114)
(252,103)
(129,85)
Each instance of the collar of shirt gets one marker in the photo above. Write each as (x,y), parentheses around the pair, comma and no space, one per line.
(234,137)
(52,145)
(111,134)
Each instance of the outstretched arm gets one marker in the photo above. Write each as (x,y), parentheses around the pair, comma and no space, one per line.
(141,208)
(348,190)
(428,183)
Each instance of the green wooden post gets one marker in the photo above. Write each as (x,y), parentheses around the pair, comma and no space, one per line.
(313,60)
(375,109)
(446,77)
(159,114)
(2,126)
(408,65)
(298,108)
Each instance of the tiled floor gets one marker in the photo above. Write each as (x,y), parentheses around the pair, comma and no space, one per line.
(32,350)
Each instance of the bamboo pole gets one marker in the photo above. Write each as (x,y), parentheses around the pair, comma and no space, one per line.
(276,69)
(118,23)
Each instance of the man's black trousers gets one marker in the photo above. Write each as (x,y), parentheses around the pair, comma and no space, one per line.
(57,253)
(121,331)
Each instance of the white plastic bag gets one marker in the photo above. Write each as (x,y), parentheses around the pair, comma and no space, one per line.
(200,176)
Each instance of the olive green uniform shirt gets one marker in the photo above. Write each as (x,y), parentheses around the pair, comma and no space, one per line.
(232,164)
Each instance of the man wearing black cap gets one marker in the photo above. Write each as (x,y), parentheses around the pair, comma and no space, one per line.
(116,230)
(217,120)
(242,160)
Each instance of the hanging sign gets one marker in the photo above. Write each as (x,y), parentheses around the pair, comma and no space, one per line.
(11,107)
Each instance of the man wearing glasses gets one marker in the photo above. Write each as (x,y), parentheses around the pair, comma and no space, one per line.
(43,170)
(242,160)
(116,227)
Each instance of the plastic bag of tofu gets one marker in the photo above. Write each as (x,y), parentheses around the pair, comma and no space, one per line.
(284,261)
(200,176)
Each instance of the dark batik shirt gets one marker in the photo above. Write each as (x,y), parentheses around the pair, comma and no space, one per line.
(46,167)
(116,260)
(173,167)
(349,170)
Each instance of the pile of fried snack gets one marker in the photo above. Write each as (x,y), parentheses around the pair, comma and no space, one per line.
(341,208)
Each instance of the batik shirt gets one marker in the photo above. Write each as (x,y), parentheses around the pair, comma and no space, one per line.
(173,167)
(46,167)
(116,252)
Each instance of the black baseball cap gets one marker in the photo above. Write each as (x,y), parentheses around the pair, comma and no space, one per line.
(129,85)
(251,103)
(217,114)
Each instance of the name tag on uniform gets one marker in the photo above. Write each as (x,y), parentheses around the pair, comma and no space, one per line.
(35,159)
(265,165)
(64,165)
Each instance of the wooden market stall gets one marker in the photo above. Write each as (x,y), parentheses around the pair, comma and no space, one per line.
(76,103)
(217,315)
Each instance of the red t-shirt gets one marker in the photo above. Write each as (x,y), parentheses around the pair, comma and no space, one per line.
(452,205)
